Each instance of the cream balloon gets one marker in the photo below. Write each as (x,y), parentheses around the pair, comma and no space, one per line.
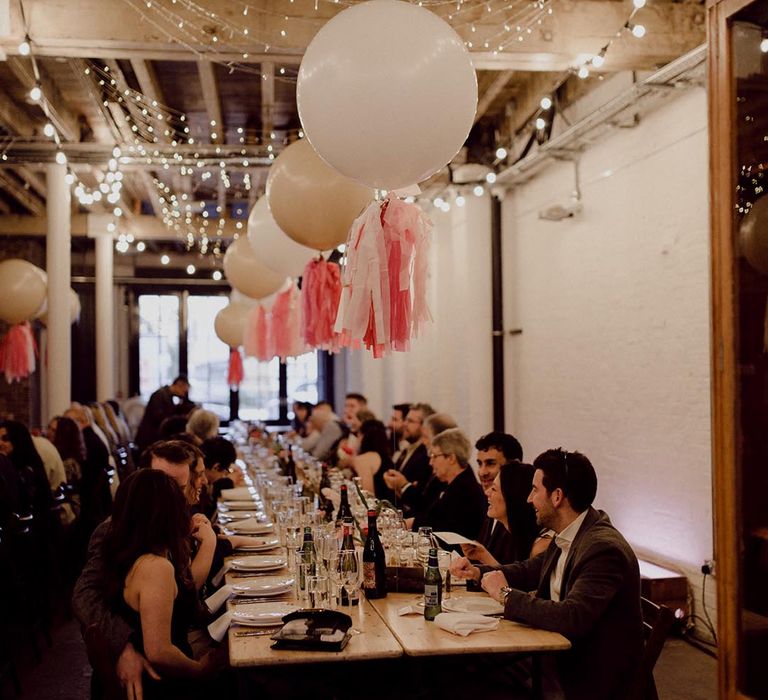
(246,273)
(386,93)
(229,324)
(753,234)
(275,249)
(23,287)
(74,309)
(310,201)
(239,298)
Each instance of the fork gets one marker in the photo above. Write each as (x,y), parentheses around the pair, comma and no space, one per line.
(258,633)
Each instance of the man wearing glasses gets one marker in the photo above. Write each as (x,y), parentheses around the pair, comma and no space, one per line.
(587,584)
(462,505)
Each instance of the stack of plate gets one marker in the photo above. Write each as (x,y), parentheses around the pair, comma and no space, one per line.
(259,544)
(263,614)
(266,589)
(257,563)
(249,527)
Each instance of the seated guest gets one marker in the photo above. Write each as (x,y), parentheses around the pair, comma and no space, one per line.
(349,446)
(52,462)
(35,494)
(68,440)
(300,421)
(149,583)
(219,455)
(353,402)
(461,507)
(508,506)
(587,583)
(176,459)
(173,425)
(493,450)
(202,424)
(373,459)
(395,428)
(326,432)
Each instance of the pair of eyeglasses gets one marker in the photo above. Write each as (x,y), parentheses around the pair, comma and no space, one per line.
(435,455)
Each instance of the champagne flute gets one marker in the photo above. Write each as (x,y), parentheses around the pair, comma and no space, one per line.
(351,572)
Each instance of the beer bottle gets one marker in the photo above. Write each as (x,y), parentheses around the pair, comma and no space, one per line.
(374,562)
(433,587)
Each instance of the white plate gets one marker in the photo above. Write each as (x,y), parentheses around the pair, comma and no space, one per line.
(265,615)
(481,606)
(250,527)
(259,545)
(258,563)
(241,493)
(263,589)
(234,515)
(239,505)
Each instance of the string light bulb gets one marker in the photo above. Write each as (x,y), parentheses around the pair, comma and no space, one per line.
(583,72)
(541,123)
(191,269)
(49,130)
(478,190)
(501,153)
(216,275)
(36,94)
(461,200)
(141,246)
(764,45)
(61,158)
(164,260)
(546,103)
(638,30)
(24,48)
(490,178)
(638,4)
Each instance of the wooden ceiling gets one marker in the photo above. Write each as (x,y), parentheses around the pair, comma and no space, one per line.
(233,93)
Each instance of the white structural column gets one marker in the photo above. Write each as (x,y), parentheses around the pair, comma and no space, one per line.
(105,307)
(58,267)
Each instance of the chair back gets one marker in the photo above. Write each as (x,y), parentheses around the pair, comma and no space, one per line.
(658,620)
(103,665)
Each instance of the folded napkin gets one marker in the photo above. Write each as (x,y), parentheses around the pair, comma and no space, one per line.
(464,624)
(218,578)
(218,628)
(215,601)
(410,610)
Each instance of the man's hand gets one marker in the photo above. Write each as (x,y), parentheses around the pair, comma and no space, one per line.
(201,528)
(130,667)
(395,480)
(461,568)
(492,584)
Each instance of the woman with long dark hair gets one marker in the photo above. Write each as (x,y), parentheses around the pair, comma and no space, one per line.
(149,581)
(374,458)
(508,503)
(16,444)
(66,437)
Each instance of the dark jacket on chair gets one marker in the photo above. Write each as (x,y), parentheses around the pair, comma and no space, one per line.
(599,608)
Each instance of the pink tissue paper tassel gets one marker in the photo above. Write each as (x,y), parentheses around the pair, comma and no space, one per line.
(256,342)
(383,301)
(285,325)
(17,353)
(235,373)
(320,293)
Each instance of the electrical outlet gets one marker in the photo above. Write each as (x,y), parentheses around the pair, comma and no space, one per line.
(708,567)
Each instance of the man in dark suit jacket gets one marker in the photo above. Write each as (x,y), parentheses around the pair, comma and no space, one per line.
(170,400)
(587,583)
(462,505)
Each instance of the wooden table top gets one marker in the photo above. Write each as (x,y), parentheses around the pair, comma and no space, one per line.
(421,638)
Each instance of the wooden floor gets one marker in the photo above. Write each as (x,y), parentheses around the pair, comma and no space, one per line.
(682,673)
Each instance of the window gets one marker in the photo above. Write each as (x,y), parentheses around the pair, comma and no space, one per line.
(158,342)
(171,342)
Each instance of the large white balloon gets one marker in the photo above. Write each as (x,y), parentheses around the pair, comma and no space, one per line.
(23,287)
(230,322)
(246,273)
(387,93)
(273,247)
(74,309)
(753,234)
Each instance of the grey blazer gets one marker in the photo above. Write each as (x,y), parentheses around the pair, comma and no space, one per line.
(599,610)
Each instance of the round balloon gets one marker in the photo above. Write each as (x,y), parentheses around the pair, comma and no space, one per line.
(239,298)
(276,250)
(386,93)
(246,273)
(74,309)
(310,201)
(754,235)
(23,287)
(230,322)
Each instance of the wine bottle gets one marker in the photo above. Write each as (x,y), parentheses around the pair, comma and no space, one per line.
(374,562)
(326,504)
(347,543)
(308,557)
(433,588)
(344,510)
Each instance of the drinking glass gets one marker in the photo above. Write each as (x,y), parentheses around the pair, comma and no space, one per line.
(351,566)
(318,591)
(424,545)
(444,564)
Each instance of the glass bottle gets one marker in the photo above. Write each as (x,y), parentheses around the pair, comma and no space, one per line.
(433,588)
(374,562)
(347,543)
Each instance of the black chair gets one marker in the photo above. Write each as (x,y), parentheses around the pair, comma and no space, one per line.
(658,620)
(8,589)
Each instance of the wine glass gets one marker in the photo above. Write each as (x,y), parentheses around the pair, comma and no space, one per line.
(351,567)
(424,545)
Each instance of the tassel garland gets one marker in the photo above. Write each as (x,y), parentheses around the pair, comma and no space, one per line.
(320,293)
(235,373)
(18,351)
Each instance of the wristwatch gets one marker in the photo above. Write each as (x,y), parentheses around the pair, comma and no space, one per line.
(505,591)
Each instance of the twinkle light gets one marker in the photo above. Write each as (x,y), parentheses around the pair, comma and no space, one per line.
(141,246)
(36,94)
(191,269)
(69,178)
(122,246)
(541,123)
(461,200)
(598,61)
(583,72)
(49,130)
(24,47)
(638,31)
(164,260)
(764,45)
(61,158)
(546,103)
(501,153)
(639,4)
(478,190)
(490,178)
(217,275)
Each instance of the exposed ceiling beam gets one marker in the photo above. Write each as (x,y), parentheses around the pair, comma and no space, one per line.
(36,182)
(492,92)
(142,227)
(14,118)
(267,97)
(527,101)
(211,96)
(62,116)
(22,195)
(148,83)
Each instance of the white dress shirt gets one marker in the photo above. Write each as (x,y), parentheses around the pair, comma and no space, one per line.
(563,540)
